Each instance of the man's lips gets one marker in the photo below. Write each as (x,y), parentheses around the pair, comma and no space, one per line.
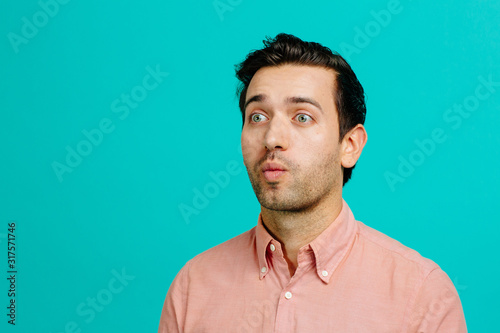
(273,171)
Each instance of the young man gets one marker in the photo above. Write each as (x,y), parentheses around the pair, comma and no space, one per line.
(308,265)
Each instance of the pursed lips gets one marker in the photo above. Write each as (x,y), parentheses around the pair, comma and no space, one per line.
(273,171)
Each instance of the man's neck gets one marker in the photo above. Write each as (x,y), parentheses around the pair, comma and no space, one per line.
(296,229)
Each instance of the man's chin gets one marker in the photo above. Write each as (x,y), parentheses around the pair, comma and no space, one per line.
(281,205)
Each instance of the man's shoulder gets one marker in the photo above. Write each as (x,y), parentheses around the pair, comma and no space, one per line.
(386,247)
(239,247)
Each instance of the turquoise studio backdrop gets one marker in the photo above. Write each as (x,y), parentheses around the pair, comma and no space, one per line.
(118,117)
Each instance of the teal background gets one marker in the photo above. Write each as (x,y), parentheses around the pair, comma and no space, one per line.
(119,208)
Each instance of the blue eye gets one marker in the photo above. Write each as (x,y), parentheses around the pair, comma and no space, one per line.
(257,118)
(303,118)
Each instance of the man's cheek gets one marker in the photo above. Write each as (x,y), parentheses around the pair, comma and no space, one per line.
(249,152)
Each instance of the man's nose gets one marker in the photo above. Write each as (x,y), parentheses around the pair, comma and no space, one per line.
(277,134)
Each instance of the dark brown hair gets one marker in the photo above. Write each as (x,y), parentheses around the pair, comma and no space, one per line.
(288,49)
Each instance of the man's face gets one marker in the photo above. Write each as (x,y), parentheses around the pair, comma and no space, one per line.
(290,137)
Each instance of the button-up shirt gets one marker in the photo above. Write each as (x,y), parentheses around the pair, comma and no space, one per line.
(351,278)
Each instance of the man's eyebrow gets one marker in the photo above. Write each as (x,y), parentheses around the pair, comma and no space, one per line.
(256,98)
(298,100)
(289,100)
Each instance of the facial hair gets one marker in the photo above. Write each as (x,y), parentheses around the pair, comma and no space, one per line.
(304,186)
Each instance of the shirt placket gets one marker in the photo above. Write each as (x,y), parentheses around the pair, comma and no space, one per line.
(286,310)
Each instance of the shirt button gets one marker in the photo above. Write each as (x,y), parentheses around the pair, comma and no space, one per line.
(263,269)
(288,295)
(324,273)
(272,247)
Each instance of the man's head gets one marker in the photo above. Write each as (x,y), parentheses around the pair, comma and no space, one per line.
(348,94)
(303,111)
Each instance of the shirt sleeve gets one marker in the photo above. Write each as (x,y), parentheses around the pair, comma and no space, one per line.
(437,307)
(174,308)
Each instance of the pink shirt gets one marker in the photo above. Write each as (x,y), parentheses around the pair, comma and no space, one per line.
(351,278)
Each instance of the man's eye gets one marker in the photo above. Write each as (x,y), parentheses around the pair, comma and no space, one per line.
(303,118)
(256,118)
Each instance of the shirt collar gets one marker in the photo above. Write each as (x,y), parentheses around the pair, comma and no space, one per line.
(330,247)
(263,242)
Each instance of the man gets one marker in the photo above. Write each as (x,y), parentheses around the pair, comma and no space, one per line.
(308,265)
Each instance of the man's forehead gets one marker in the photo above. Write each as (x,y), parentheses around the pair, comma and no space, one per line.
(295,70)
(292,84)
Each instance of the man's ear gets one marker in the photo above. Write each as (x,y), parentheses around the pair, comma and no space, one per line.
(352,146)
